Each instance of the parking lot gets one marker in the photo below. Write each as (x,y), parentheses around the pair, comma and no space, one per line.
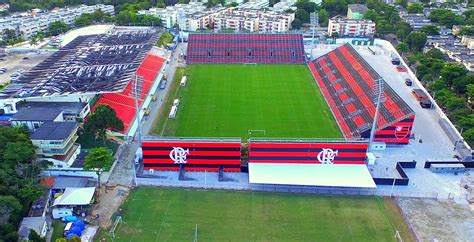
(14,62)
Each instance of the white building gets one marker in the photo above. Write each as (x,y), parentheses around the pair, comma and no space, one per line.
(351,27)
(169,16)
(27,24)
(253,20)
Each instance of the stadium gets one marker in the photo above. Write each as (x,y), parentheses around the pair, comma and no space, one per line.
(253,102)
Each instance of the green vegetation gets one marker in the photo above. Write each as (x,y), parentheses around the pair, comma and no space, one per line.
(58,230)
(165,39)
(88,141)
(102,119)
(452,87)
(19,179)
(3,86)
(446,17)
(58,27)
(91,18)
(415,8)
(99,160)
(156,214)
(229,100)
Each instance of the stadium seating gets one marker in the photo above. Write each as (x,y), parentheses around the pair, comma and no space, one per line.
(122,102)
(245,48)
(347,82)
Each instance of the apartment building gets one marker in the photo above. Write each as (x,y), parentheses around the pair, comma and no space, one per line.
(171,14)
(351,27)
(253,20)
(27,24)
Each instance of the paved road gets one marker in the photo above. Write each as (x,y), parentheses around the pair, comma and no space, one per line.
(123,172)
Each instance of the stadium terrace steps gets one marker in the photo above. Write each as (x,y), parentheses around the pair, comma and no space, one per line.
(122,102)
(246,48)
(347,83)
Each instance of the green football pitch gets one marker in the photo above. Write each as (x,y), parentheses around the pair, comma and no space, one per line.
(239,100)
(159,214)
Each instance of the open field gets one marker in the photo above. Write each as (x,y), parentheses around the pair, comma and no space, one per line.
(230,100)
(160,214)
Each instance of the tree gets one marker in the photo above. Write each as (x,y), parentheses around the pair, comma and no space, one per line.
(416,40)
(403,3)
(75,239)
(296,24)
(99,160)
(415,8)
(430,29)
(470,93)
(435,54)
(402,48)
(468,136)
(8,206)
(446,17)
(467,30)
(57,27)
(403,30)
(61,240)
(452,71)
(34,237)
(302,15)
(370,14)
(460,84)
(323,17)
(103,118)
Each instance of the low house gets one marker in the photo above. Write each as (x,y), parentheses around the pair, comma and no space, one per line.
(55,142)
(74,196)
(38,224)
(72,111)
(33,118)
(356,11)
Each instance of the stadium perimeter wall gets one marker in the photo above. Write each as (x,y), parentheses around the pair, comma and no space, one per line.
(462,146)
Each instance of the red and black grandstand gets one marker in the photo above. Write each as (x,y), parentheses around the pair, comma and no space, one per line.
(245,48)
(194,155)
(347,82)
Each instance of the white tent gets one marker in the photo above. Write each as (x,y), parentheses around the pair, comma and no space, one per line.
(311,175)
(73,196)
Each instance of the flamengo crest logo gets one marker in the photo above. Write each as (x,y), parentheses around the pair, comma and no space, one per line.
(402,132)
(327,156)
(178,155)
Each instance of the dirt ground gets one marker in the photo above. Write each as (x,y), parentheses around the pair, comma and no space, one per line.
(109,203)
(434,220)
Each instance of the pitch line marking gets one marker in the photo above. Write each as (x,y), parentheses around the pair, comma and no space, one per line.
(347,221)
(163,220)
(133,233)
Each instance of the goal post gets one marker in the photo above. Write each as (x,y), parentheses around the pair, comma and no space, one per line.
(118,220)
(257,132)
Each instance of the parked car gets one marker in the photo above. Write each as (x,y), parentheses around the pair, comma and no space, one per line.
(26,58)
(408,82)
(425,103)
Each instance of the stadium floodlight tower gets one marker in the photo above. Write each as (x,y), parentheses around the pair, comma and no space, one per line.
(136,93)
(313,19)
(378,99)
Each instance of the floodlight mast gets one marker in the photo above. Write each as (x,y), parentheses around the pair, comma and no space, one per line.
(378,90)
(137,93)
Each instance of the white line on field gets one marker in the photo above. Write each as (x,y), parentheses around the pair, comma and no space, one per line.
(163,220)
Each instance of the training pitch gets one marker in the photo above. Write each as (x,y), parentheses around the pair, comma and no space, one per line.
(159,214)
(238,100)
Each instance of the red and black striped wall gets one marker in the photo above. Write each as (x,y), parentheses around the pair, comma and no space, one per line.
(306,153)
(203,156)
(398,133)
